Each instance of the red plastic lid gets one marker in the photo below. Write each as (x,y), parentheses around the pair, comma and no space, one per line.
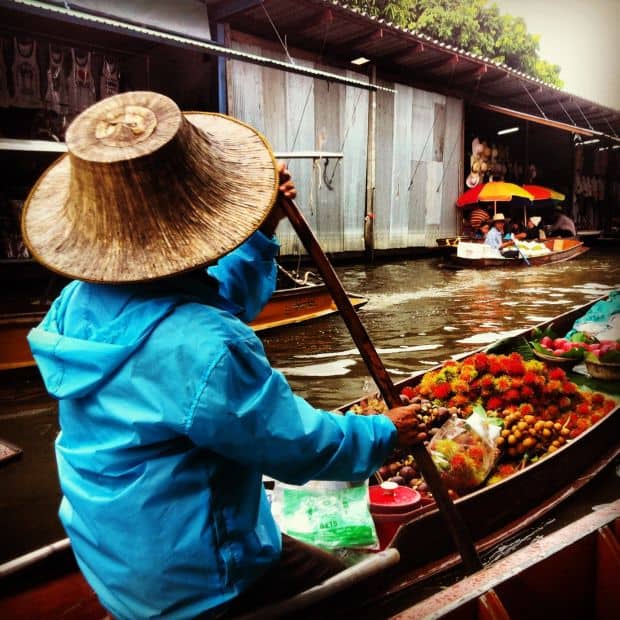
(392,497)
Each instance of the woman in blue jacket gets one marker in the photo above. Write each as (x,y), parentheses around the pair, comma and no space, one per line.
(170,412)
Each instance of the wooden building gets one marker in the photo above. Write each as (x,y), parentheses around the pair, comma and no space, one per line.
(379,150)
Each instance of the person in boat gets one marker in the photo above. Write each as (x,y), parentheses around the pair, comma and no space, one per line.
(515,231)
(532,228)
(483,231)
(495,237)
(476,217)
(563,225)
(170,411)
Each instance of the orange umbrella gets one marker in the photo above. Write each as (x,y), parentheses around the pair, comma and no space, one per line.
(544,193)
(494,191)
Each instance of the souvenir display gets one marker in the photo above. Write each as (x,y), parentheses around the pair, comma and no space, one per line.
(56,93)
(110,78)
(26,81)
(81,82)
(487,163)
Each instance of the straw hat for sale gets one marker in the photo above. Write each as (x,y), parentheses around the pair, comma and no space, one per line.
(472,180)
(147,192)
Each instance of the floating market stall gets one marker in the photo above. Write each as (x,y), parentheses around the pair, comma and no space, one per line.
(478,255)
(572,422)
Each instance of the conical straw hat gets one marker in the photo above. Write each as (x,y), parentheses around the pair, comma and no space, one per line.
(147,192)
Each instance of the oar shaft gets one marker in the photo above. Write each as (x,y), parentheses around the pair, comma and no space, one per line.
(453,519)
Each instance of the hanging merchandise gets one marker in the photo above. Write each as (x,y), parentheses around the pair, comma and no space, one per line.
(26,80)
(81,82)
(579,159)
(5,97)
(110,78)
(56,93)
(578,184)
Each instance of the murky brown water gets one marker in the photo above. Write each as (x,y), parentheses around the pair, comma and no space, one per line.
(417,315)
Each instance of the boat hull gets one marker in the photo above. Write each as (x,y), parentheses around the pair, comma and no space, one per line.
(572,572)
(448,245)
(286,307)
(492,514)
(298,305)
(561,250)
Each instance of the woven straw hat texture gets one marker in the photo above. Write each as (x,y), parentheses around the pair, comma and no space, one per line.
(147,191)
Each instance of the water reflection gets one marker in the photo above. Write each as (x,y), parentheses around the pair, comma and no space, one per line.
(419,314)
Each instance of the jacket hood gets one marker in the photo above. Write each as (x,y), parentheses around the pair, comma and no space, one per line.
(90,331)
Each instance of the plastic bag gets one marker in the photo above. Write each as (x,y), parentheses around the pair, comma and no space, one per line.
(330,515)
(464,451)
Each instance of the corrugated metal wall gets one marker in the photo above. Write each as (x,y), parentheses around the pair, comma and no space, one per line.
(419,166)
(418,147)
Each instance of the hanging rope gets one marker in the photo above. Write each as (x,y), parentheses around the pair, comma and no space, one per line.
(329,182)
(566,112)
(311,88)
(610,127)
(532,98)
(290,59)
(584,116)
(415,171)
(445,168)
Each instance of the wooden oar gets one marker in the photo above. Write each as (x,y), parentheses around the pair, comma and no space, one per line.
(453,519)
(514,240)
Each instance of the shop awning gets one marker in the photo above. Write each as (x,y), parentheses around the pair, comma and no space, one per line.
(341,34)
(103,21)
(538,119)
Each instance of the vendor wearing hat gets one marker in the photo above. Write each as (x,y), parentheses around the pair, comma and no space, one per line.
(169,409)
(495,236)
(563,226)
(532,228)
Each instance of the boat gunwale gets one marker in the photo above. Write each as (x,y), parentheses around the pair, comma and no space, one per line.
(556,256)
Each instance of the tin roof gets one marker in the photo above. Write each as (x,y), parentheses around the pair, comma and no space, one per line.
(342,33)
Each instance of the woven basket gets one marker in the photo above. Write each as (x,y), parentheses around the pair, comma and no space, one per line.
(600,370)
(566,363)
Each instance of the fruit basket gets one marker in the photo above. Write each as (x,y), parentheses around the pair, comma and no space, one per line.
(603,370)
(566,363)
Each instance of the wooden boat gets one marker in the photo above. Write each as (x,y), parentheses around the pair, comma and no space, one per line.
(47,584)
(288,306)
(572,573)
(448,245)
(302,303)
(560,250)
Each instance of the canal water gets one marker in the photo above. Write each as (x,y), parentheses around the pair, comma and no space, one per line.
(418,314)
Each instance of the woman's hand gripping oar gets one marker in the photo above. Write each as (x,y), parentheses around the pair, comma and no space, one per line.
(453,519)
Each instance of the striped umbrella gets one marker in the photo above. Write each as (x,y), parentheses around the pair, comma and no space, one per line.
(494,191)
(544,193)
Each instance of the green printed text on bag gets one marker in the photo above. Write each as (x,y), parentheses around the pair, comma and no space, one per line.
(333,519)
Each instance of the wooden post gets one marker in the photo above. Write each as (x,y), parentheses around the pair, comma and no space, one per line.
(369,235)
(454,522)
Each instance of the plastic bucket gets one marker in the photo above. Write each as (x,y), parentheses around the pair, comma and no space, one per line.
(391,505)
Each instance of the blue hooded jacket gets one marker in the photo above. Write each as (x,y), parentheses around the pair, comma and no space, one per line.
(170,413)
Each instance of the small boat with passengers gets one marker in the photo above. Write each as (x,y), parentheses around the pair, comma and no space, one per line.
(478,255)
(47,583)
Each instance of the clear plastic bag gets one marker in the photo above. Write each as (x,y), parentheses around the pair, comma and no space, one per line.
(464,451)
(330,515)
